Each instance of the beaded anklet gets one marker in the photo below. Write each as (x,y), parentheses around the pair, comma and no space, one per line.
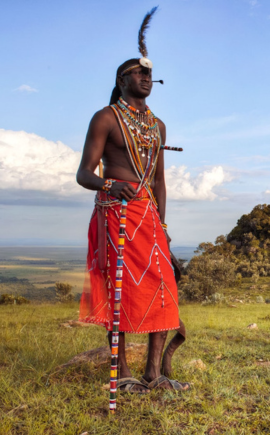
(108,185)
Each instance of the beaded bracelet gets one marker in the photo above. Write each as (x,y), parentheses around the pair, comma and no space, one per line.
(164,226)
(107,185)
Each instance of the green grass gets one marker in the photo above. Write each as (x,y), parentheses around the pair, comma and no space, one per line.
(230,397)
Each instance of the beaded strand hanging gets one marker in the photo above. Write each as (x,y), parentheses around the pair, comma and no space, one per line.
(142,138)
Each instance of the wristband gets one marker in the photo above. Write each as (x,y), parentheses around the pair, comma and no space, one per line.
(164,226)
(108,185)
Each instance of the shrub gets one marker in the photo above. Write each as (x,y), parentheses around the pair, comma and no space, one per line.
(238,280)
(214,299)
(207,274)
(260,300)
(255,278)
(63,292)
(10,299)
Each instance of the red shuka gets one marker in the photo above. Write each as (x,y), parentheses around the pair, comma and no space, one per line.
(149,292)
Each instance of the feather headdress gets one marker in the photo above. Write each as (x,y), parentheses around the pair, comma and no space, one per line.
(144,27)
(135,63)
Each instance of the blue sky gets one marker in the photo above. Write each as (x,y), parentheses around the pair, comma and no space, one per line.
(58,64)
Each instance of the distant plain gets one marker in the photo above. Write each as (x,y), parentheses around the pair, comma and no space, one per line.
(33,271)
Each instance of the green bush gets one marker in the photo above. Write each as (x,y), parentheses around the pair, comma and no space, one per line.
(63,292)
(208,273)
(11,299)
(214,299)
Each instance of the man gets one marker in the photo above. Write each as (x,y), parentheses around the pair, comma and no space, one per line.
(128,137)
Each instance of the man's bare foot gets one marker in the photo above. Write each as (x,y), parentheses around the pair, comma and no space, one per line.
(132,385)
(162,382)
(127,383)
(125,380)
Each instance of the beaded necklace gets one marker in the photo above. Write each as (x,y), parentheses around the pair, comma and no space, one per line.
(141,134)
(143,125)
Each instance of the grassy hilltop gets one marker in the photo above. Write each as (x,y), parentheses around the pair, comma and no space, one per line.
(231,396)
(230,393)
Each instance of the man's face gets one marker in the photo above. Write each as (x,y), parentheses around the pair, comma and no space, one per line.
(137,82)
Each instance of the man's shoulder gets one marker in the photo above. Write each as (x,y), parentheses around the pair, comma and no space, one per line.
(161,123)
(162,126)
(103,117)
(106,112)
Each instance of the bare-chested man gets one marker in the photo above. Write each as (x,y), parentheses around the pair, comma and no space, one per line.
(128,137)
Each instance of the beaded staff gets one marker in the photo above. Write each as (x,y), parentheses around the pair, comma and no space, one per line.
(165,147)
(117,302)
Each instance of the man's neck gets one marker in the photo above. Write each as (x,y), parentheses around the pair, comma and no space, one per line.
(137,103)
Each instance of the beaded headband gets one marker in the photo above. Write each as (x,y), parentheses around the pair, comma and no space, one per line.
(137,66)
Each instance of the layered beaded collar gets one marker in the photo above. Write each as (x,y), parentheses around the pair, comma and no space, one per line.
(143,141)
(142,125)
(145,120)
(132,109)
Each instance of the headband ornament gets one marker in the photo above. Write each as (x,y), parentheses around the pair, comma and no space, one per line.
(131,64)
(144,61)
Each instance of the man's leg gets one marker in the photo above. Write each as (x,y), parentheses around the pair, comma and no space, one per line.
(156,346)
(175,342)
(152,371)
(123,370)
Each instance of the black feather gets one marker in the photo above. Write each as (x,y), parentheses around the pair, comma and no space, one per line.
(142,32)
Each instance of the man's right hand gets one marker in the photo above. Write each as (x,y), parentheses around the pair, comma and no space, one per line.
(122,190)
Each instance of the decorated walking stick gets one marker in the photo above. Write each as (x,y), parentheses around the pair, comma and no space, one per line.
(117,302)
(165,147)
(100,168)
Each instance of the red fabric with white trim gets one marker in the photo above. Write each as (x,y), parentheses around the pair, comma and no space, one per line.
(141,305)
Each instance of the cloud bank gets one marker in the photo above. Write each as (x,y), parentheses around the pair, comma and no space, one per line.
(29,162)
(182,186)
(33,169)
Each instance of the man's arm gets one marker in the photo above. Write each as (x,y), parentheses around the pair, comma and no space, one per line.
(99,130)
(96,138)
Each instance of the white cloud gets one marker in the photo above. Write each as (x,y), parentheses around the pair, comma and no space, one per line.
(182,186)
(33,169)
(25,88)
(29,162)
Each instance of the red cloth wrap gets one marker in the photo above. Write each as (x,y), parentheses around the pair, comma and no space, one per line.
(141,305)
